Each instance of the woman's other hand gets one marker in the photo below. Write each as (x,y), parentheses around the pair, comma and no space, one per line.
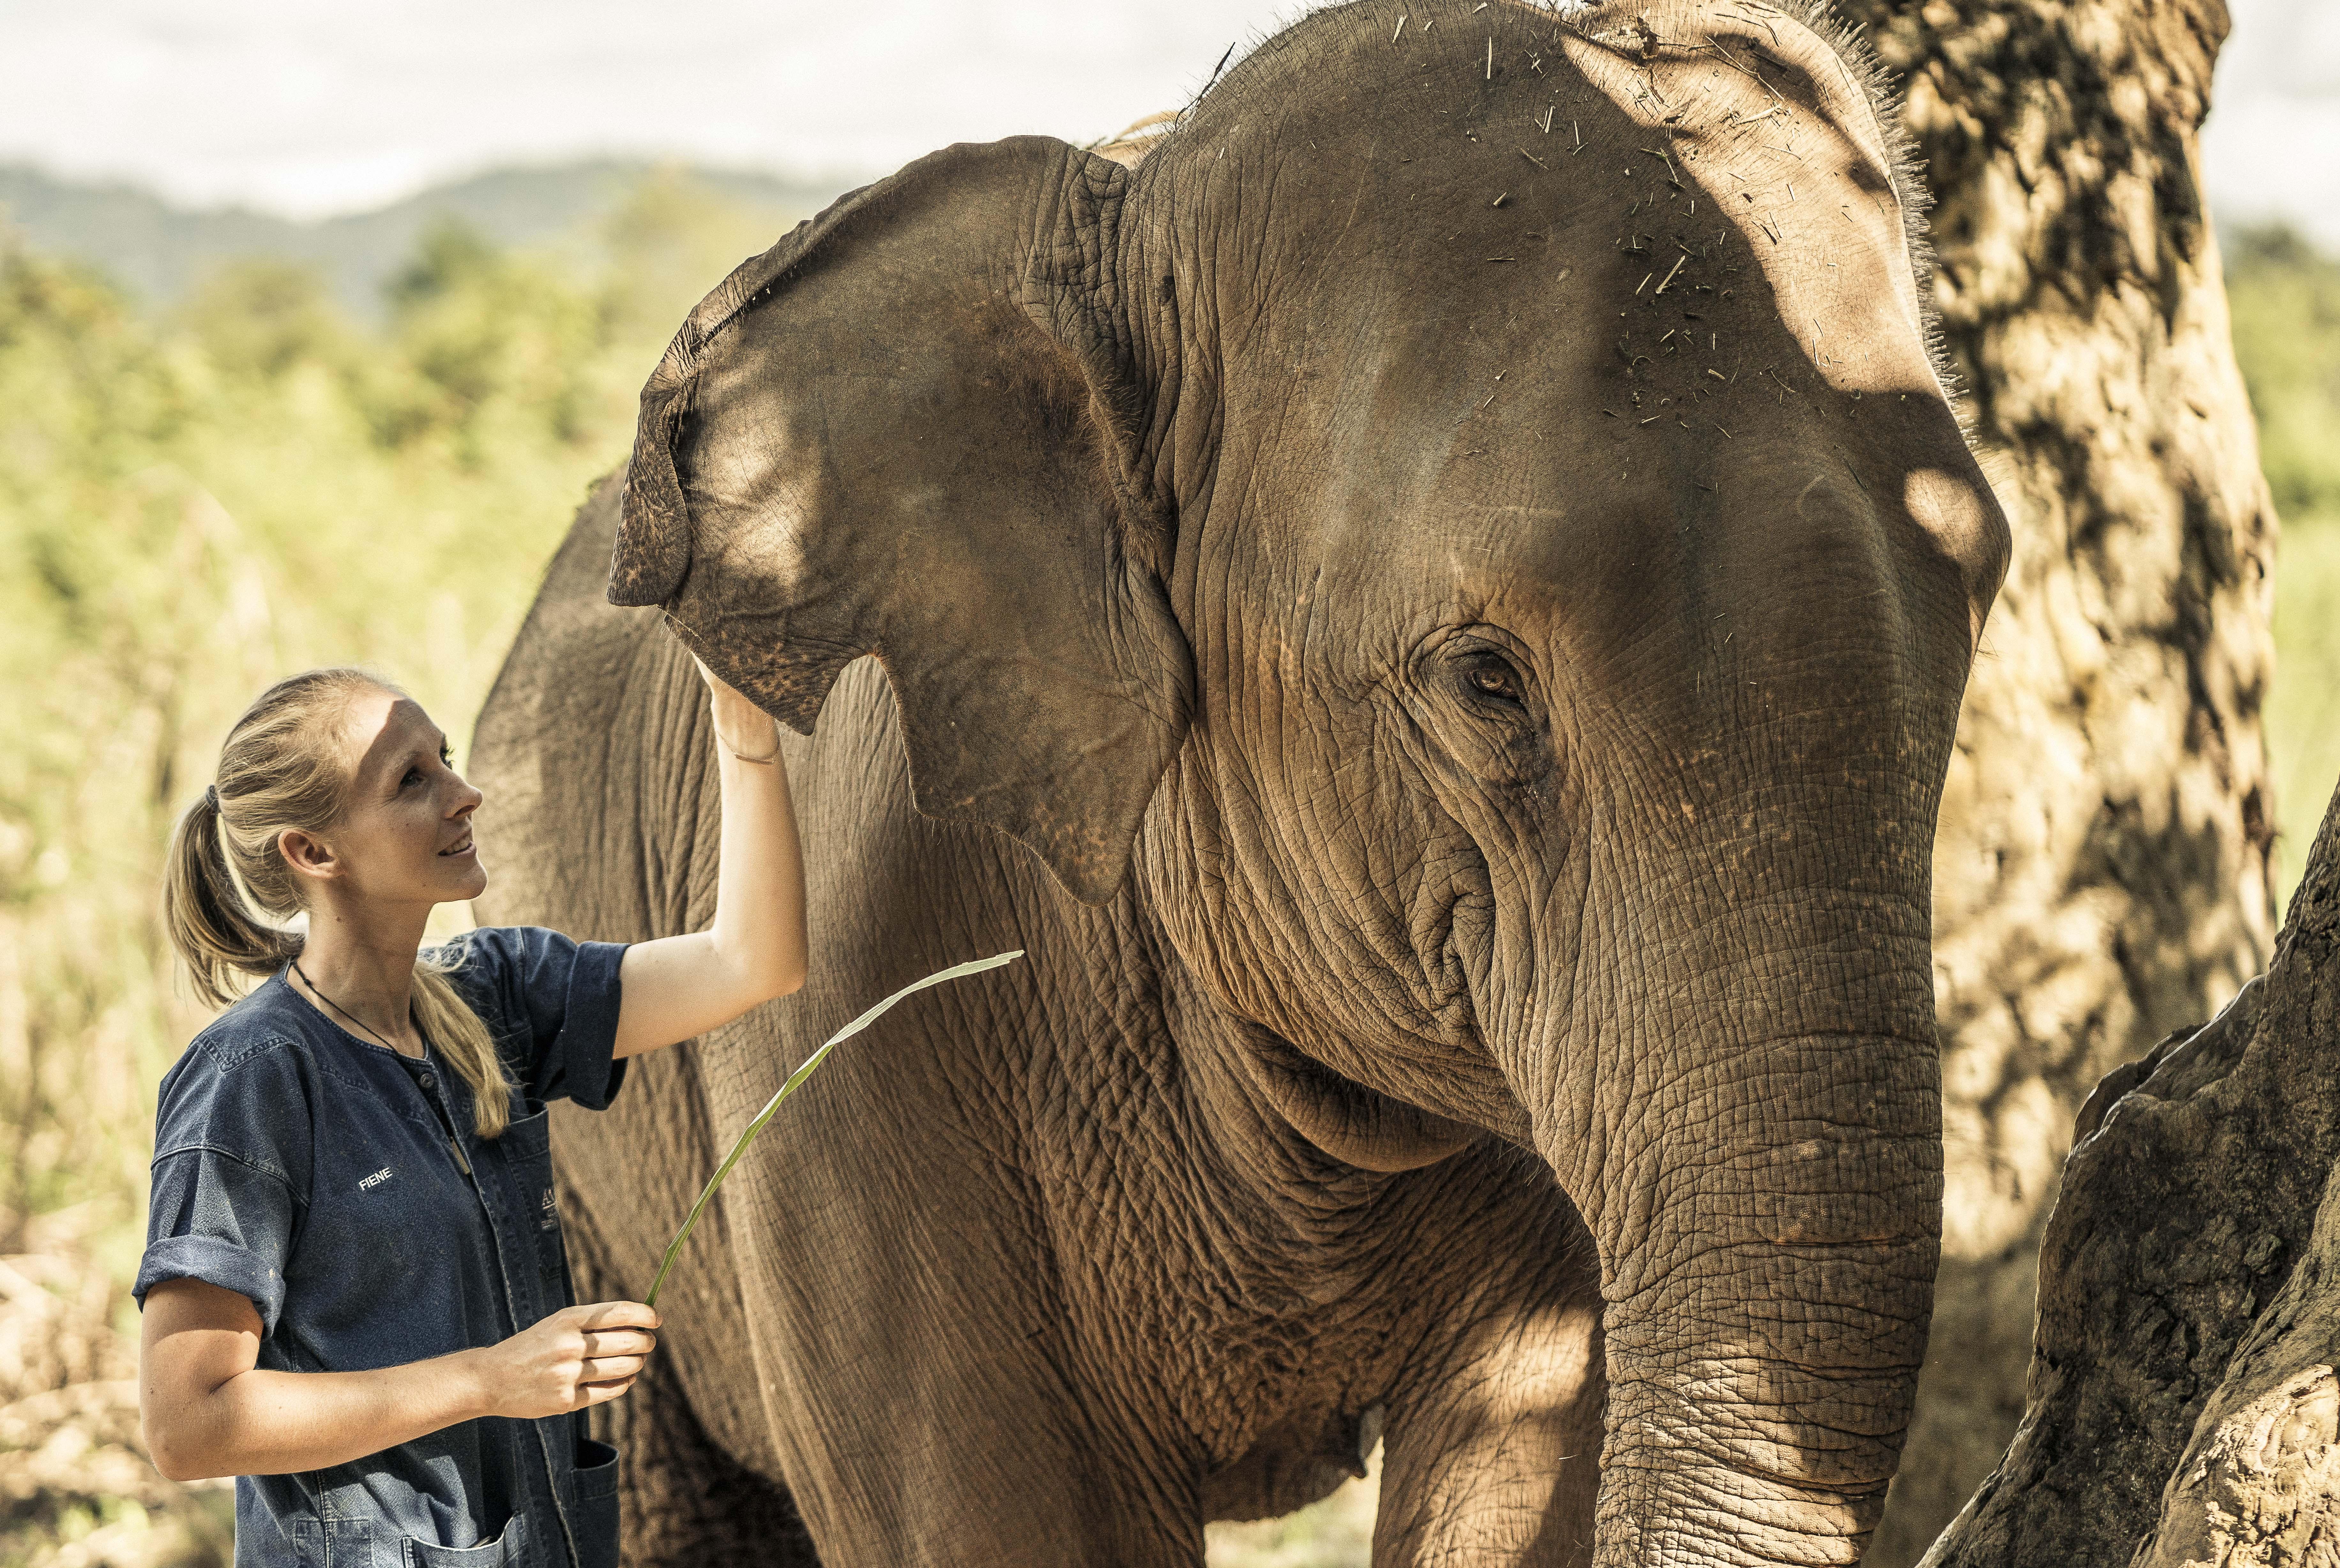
(581,1355)
(210,1410)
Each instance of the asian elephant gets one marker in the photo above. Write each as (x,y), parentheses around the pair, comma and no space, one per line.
(1433,605)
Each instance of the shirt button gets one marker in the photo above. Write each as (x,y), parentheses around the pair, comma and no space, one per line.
(430,1081)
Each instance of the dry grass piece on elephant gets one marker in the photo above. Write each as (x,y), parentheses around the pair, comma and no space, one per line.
(790,1086)
(1471,834)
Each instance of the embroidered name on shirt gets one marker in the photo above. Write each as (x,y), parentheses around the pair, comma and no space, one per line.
(374,1180)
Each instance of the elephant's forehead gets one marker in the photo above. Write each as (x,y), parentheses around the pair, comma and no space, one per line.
(1582,180)
(1482,362)
(1536,539)
(1771,123)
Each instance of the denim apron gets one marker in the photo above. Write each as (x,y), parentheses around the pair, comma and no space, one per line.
(340,1186)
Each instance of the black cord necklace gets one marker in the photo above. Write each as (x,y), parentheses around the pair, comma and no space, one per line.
(351,1016)
(445,1125)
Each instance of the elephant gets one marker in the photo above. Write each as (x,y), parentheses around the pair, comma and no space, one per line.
(1432,600)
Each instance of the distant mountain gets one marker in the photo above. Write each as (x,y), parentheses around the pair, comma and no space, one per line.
(158,250)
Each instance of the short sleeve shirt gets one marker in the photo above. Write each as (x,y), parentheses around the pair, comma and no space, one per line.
(342,1188)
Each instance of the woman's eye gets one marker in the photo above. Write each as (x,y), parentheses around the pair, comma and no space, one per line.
(413,776)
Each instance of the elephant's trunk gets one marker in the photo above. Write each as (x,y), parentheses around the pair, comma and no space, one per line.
(1768,1204)
(1760,1384)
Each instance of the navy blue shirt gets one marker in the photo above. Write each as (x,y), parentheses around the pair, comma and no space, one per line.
(317,1173)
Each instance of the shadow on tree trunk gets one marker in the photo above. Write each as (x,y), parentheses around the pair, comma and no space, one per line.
(2183,1406)
(2101,874)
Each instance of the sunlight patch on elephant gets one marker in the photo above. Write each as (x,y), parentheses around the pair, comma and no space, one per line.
(1766,119)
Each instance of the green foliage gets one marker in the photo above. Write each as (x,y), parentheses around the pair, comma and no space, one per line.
(259,319)
(2284,298)
(193,504)
(2303,714)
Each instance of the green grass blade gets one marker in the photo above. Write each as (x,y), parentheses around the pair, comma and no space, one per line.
(792,1084)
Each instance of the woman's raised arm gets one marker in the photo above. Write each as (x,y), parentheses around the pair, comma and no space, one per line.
(677,986)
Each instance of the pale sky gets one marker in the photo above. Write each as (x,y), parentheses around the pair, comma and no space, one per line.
(305,108)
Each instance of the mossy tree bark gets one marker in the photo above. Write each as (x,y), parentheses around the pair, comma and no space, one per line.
(2103,870)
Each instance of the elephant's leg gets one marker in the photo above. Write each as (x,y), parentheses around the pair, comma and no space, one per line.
(685,1503)
(926,1428)
(940,1391)
(1501,1463)
(1492,1453)
(1014,1504)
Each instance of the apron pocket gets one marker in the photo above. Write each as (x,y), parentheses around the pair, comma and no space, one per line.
(504,1549)
(596,1491)
(331,1543)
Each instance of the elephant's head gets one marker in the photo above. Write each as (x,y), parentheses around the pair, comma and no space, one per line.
(1475,511)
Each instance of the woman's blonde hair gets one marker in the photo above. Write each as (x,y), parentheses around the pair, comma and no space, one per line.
(228,891)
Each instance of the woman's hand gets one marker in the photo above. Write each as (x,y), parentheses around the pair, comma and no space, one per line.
(744,731)
(580,1356)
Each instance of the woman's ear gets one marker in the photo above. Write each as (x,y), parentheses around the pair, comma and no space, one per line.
(907,430)
(308,856)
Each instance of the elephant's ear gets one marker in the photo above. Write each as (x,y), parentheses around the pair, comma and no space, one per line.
(907,431)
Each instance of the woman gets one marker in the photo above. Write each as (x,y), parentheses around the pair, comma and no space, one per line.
(355,1298)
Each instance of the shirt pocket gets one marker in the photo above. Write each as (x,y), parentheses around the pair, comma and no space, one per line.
(508,1548)
(528,1158)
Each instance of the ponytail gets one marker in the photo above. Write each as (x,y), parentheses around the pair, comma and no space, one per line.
(228,894)
(206,915)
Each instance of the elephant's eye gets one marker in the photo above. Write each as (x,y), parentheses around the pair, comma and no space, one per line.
(1485,706)
(1492,679)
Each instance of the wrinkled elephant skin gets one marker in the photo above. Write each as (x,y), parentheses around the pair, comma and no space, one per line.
(1434,605)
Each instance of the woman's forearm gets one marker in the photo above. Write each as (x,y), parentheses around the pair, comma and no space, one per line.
(209,1411)
(760,891)
(677,986)
(262,1422)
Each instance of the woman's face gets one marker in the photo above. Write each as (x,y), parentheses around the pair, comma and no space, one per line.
(405,836)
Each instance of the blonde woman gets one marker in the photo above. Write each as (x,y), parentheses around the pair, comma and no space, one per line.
(355,1298)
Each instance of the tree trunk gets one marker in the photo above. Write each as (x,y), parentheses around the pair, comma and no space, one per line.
(2184,1407)
(2103,870)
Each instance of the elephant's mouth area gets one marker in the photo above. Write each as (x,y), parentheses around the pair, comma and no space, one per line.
(1345,1119)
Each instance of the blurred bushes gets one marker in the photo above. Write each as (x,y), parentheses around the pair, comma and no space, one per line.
(192,506)
(2284,296)
(2303,714)
(76,1488)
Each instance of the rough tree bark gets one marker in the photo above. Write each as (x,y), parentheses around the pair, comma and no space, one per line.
(2183,1403)
(2103,872)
